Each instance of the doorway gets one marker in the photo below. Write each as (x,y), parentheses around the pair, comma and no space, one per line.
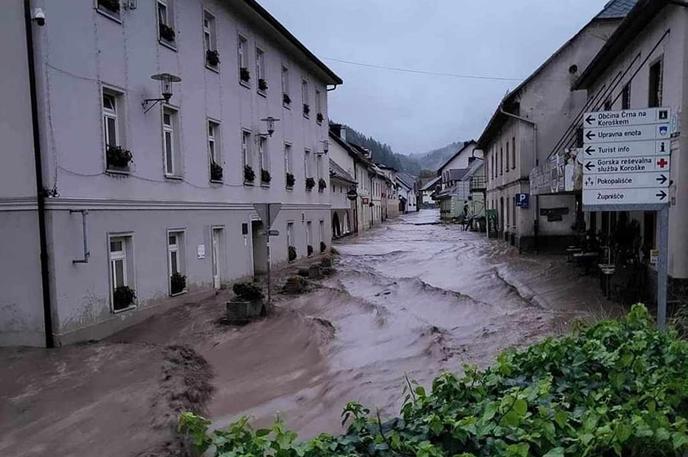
(259,243)
(216,252)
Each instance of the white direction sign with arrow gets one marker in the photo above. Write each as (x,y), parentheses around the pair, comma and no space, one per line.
(631,149)
(627,118)
(626,157)
(626,134)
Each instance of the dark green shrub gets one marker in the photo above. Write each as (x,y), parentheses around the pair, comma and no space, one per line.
(292,253)
(123,297)
(323,246)
(618,388)
(309,250)
(247,291)
(177,283)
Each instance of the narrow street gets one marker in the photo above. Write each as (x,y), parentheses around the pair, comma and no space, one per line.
(408,298)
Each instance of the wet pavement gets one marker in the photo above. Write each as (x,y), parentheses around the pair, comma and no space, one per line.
(409,298)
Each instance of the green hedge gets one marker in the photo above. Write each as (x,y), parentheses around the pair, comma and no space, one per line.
(616,388)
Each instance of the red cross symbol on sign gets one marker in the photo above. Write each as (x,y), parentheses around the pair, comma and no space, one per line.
(662,163)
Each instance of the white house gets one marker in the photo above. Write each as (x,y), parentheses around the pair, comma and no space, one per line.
(135,190)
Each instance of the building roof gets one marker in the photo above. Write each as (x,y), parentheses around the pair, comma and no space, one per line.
(348,148)
(613,10)
(338,172)
(331,77)
(616,9)
(641,15)
(430,185)
(407,180)
(461,149)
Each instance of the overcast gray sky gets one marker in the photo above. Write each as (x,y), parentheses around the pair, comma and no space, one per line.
(416,112)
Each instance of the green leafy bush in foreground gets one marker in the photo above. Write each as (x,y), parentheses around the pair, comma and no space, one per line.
(616,388)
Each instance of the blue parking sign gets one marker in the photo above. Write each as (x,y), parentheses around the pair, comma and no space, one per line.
(522,200)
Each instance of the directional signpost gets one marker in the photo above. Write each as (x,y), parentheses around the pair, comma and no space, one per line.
(268,213)
(626,159)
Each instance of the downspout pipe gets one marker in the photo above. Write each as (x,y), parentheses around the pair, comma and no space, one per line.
(40,191)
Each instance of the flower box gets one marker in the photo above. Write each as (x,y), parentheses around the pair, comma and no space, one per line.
(319,117)
(215,172)
(167,33)
(262,85)
(244,74)
(322,184)
(118,158)
(249,174)
(310,183)
(212,58)
(306,109)
(291,180)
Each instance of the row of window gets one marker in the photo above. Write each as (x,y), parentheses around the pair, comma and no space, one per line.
(507,213)
(122,272)
(118,158)
(497,165)
(167,36)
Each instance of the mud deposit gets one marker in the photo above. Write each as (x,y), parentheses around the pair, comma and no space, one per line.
(409,298)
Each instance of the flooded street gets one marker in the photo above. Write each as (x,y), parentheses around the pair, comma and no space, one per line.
(409,298)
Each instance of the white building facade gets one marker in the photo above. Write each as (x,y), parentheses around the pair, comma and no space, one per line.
(148,201)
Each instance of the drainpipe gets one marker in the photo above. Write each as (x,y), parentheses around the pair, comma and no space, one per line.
(40,191)
(537,162)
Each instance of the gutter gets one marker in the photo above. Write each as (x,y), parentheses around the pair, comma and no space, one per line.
(40,191)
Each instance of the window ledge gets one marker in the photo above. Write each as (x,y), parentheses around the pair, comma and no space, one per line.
(174,177)
(307,116)
(215,69)
(109,15)
(167,44)
(290,188)
(179,293)
(216,181)
(248,183)
(114,171)
(131,307)
(262,93)
(286,105)
(246,84)
(265,184)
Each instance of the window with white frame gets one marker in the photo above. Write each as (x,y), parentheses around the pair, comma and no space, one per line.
(166,32)
(288,167)
(116,156)
(171,150)
(305,98)
(175,262)
(318,106)
(242,50)
(209,40)
(322,231)
(122,294)
(318,167)
(286,100)
(246,154)
(263,161)
(307,163)
(214,151)
(656,84)
(260,70)
(290,234)
(110,8)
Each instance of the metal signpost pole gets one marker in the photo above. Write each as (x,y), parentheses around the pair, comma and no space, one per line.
(662,267)
(268,224)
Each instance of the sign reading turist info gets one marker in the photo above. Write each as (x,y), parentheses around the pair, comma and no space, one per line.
(626,157)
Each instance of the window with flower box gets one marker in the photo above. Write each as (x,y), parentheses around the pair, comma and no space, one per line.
(215,151)
(166,32)
(117,157)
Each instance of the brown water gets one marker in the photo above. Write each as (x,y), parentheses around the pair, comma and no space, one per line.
(408,298)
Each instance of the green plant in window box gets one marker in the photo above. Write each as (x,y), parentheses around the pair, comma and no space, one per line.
(110,5)
(265,176)
(286,99)
(212,57)
(215,171)
(249,174)
(323,246)
(309,250)
(177,283)
(262,85)
(319,117)
(167,33)
(322,184)
(310,183)
(292,253)
(123,297)
(244,74)
(118,157)
(306,109)
(291,180)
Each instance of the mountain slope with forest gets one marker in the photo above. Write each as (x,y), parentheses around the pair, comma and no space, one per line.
(412,164)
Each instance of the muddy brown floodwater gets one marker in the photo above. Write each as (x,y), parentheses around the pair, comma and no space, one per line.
(409,298)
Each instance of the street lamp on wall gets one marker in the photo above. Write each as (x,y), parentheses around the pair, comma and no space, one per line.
(166,81)
(271,124)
